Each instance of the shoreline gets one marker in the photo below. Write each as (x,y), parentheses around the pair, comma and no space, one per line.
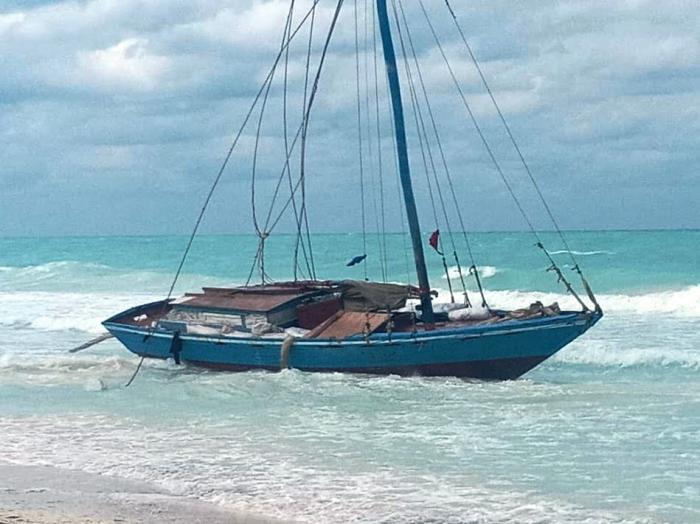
(50,495)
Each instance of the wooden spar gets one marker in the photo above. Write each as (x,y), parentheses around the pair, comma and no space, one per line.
(404,168)
(91,343)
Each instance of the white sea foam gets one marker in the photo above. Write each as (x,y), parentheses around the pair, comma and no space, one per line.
(68,275)
(604,353)
(484,272)
(47,311)
(651,329)
(52,269)
(582,253)
(302,474)
(657,329)
(683,302)
(85,311)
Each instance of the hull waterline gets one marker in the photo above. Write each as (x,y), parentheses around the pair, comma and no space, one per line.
(499,351)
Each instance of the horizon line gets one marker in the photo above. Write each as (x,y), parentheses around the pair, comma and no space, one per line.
(328,233)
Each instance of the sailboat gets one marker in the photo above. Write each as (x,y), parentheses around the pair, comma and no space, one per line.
(358,325)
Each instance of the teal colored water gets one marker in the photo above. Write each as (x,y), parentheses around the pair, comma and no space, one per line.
(607,431)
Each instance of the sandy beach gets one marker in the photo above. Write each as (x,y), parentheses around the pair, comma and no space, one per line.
(47,495)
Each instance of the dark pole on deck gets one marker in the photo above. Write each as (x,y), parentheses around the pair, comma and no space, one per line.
(404,169)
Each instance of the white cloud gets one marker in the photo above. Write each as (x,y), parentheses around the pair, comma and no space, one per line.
(8,21)
(632,51)
(126,64)
(259,25)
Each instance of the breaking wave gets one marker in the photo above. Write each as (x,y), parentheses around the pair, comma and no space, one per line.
(613,354)
(683,302)
(70,274)
(48,311)
(484,272)
(63,303)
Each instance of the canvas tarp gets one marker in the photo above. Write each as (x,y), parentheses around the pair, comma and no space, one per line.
(372,296)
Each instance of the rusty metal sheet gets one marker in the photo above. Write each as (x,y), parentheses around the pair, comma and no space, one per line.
(245,301)
(348,323)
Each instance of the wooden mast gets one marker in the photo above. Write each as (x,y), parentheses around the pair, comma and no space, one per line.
(404,168)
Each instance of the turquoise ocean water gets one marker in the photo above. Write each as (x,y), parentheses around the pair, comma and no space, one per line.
(607,431)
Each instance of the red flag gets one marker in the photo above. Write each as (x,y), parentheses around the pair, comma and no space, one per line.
(434,239)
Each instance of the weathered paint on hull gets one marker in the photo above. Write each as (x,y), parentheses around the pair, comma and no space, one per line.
(498,351)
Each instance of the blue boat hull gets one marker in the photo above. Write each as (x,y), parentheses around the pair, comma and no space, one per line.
(499,351)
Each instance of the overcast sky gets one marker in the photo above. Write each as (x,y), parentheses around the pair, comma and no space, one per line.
(115,114)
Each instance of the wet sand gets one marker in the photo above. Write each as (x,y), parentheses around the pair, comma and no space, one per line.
(47,495)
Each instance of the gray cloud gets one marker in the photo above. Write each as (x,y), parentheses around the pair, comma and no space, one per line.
(123,109)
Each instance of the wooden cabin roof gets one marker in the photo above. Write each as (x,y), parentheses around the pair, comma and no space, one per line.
(245,300)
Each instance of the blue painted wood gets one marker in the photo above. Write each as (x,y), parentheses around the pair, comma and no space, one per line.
(404,167)
(496,351)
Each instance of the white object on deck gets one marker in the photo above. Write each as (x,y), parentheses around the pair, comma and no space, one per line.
(469,313)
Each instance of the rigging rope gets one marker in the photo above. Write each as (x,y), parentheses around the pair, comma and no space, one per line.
(370,135)
(490,152)
(305,122)
(266,229)
(262,233)
(227,157)
(576,266)
(425,146)
(359,139)
(402,215)
(302,156)
(305,128)
(312,268)
(380,171)
(444,165)
(297,268)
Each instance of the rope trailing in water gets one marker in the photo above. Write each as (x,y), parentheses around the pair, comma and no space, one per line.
(136,372)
